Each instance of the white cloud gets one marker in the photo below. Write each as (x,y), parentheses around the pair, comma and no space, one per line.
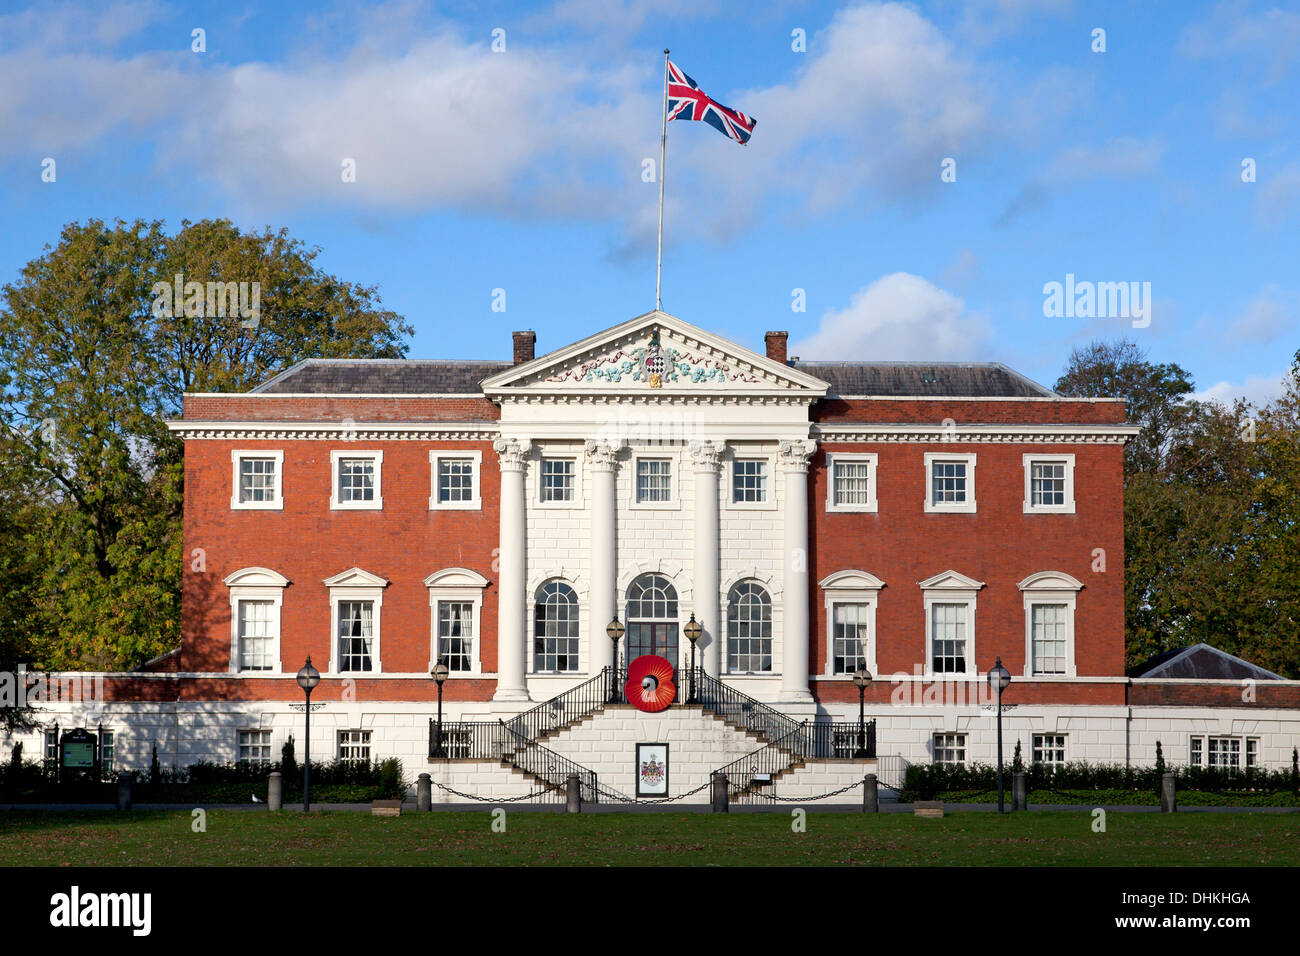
(1259,390)
(1269,39)
(1268,315)
(1123,157)
(435,119)
(898,317)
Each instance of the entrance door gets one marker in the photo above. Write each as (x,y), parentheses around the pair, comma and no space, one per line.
(651,619)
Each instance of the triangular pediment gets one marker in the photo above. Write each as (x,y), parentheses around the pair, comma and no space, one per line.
(654,351)
(354,578)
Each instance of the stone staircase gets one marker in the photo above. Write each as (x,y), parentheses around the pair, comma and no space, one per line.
(590,730)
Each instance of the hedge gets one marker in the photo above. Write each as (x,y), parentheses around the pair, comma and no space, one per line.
(929,781)
(333,782)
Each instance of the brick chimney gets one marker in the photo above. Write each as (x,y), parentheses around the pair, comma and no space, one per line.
(525,343)
(776,342)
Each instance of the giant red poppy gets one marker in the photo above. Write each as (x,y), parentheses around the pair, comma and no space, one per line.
(650,684)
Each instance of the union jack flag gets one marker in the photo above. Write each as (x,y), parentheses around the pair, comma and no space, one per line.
(687,101)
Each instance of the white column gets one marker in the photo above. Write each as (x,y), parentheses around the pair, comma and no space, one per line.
(511,584)
(602,461)
(793,461)
(706,456)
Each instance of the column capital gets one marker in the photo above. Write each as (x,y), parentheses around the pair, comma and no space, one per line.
(795,455)
(603,454)
(512,452)
(706,455)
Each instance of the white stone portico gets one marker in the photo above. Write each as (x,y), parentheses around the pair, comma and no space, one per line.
(658,388)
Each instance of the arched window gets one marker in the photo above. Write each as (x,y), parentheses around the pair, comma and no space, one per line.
(749,629)
(652,618)
(555,629)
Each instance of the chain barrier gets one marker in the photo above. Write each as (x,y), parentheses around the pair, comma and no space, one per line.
(822,796)
(477,798)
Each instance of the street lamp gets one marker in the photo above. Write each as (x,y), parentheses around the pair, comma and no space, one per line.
(614,631)
(308,678)
(862,678)
(439,674)
(692,630)
(999,678)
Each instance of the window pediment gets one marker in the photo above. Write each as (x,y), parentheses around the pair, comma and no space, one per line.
(851,580)
(1050,581)
(255,578)
(355,578)
(950,581)
(456,578)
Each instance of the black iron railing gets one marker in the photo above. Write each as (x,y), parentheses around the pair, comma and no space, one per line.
(468,740)
(574,704)
(744,711)
(552,769)
(751,774)
(841,739)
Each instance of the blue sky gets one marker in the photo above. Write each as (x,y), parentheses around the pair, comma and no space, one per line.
(522,169)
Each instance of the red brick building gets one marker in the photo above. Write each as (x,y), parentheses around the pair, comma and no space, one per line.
(921,520)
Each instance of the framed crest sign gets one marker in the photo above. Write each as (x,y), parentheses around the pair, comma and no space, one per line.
(652,770)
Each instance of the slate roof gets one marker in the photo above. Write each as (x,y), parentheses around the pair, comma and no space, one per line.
(918,379)
(383,377)
(1201,661)
(452,376)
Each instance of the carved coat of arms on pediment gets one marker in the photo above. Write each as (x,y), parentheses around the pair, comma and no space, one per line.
(653,364)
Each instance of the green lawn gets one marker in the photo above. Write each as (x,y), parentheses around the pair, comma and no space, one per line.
(165,838)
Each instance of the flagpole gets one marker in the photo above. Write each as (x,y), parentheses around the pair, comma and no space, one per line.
(663,150)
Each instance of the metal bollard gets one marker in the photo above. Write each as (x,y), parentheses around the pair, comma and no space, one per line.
(1168,799)
(721,795)
(275,791)
(870,794)
(573,793)
(124,791)
(1019,791)
(423,792)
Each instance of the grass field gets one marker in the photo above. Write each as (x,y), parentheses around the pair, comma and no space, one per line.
(234,838)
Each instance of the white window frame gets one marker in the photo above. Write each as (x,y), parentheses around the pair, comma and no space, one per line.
(532,628)
(769,475)
(950,587)
(1063,509)
(872,505)
(475,502)
(336,504)
(369,744)
(850,587)
(964,745)
(1243,741)
(574,455)
(256,584)
(1050,587)
(277,503)
(674,502)
(460,586)
(355,584)
(1064,748)
(270,749)
(964,507)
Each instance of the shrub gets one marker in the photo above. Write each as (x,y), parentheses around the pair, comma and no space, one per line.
(391,784)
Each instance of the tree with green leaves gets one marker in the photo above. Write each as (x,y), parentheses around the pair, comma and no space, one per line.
(93,359)
(1211,511)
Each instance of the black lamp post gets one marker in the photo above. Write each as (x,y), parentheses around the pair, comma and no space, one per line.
(692,630)
(614,631)
(308,678)
(999,678)
(439,675)
(861,679)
